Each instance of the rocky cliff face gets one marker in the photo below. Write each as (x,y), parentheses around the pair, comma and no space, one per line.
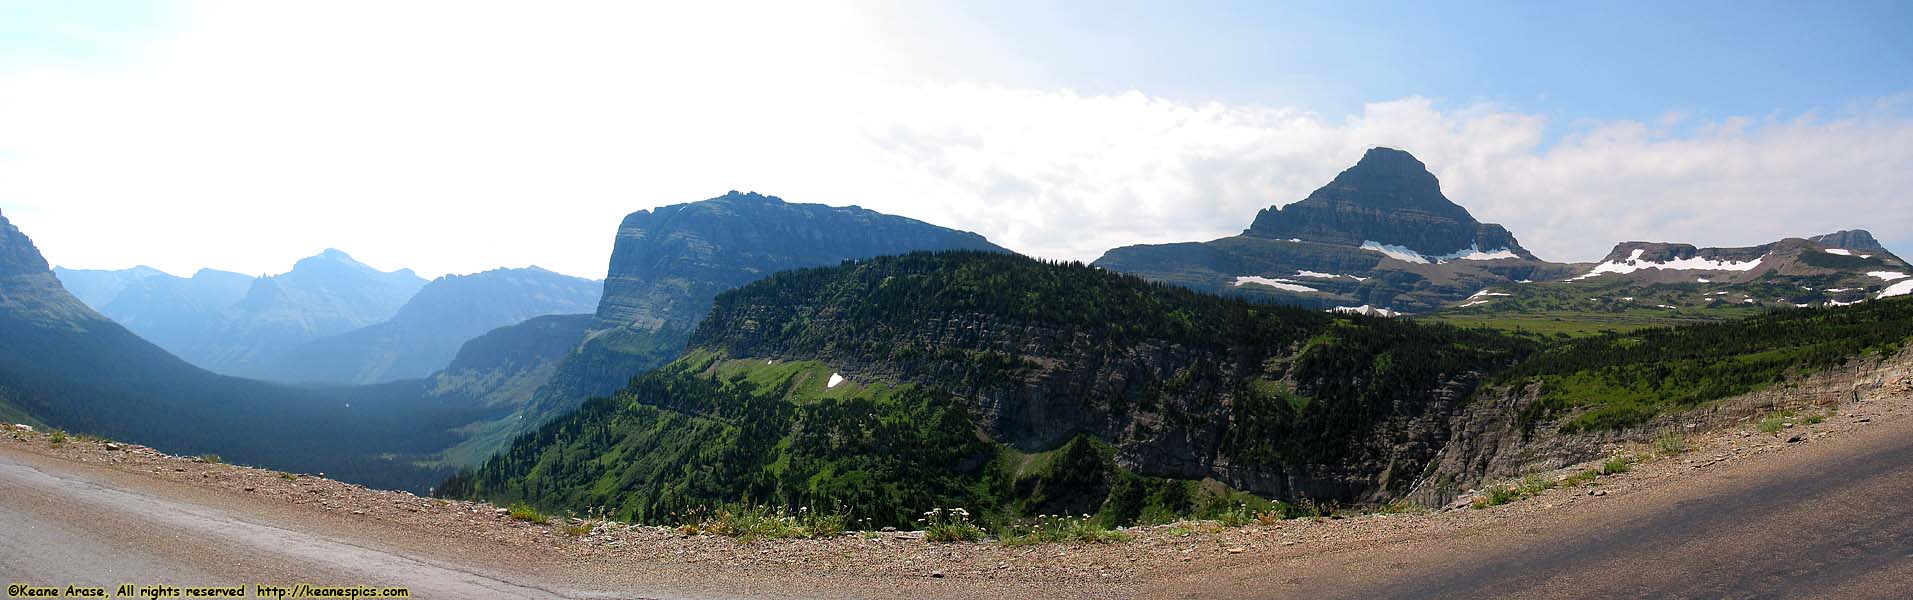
(1380,235)
(669,263)
(1171,408)
(1009,386)
(1390,198)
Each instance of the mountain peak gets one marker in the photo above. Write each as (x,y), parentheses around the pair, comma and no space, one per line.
(1850,239)
(18,255)
(1383,159)
(1390,199)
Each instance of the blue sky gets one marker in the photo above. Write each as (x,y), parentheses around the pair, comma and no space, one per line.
(1605,60)
(454,137)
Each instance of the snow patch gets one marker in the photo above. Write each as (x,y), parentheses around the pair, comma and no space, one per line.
(1634,263)
(1703,280)
(1666,306)
(1898,289)
(1278,283)
(1888,275)
(1485,293)
(1321,275)
(1406,254)
(1473,252)
(1845,252)
(835,378)
(1474,303)
(1365,310)
(1839,303)
(1401,253)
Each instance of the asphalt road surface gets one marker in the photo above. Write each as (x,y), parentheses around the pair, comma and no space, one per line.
(1833,519)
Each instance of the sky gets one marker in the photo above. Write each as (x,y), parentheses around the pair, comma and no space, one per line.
(455,137)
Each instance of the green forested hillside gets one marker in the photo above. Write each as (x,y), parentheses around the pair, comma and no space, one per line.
(1008,386)
(1617,380)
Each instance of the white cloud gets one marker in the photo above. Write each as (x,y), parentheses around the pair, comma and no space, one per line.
(458,140)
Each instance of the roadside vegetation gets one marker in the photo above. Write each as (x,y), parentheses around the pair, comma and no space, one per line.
(1625,379)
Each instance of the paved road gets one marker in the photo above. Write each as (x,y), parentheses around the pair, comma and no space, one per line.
(1834,519)
(62,523)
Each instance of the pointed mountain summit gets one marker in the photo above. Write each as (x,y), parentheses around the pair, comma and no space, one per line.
(1381,236)
(1388,199)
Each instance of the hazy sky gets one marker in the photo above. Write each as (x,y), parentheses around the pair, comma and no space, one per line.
(460,136)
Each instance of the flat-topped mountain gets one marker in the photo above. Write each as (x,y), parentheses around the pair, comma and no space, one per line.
(669,263)
(1380,235)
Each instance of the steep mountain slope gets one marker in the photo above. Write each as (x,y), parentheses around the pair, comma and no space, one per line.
(1666,283)
(69,367)
(1008,386)
(669,263)
(427,332)
(1381,235)
(499,371)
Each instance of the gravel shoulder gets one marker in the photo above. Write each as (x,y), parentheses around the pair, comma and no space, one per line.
(1302,557)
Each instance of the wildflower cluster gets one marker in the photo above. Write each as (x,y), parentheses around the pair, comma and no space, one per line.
(949,525)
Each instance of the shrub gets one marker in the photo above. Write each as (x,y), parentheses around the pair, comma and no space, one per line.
(1617,465)
(578,529)
(287,476)
(952,525)
(1060,528)
(758,522)
(1580,479)
(1776,421)
(211,459)
(524,512)
(1497,495)
(1670,443)
(58,437)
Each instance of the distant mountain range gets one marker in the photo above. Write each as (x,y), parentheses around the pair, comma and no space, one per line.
(427,331)
(1026,373)
(329,319)
(64,365)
